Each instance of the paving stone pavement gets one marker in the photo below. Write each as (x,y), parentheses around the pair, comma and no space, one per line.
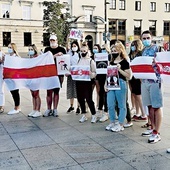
(63,143)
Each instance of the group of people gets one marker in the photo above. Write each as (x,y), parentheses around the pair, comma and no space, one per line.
(146,94)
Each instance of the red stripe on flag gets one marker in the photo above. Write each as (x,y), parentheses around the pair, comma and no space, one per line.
(80,72)
(30,73)
(142,69)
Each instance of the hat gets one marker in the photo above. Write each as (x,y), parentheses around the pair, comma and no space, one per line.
(53,37)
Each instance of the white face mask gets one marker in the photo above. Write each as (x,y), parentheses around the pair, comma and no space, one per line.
(74,49)
(53,44)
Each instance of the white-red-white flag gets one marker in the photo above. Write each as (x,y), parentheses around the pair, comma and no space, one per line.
(32,73)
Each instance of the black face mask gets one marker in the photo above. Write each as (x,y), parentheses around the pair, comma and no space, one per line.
(115,55)
(83,54)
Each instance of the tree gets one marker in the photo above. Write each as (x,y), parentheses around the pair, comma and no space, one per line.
(56,22)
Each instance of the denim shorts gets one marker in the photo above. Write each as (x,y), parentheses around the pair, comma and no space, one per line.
(151,94)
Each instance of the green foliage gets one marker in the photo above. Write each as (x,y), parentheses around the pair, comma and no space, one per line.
(55,22)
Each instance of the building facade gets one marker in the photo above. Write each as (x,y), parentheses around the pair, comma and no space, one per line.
(102,21)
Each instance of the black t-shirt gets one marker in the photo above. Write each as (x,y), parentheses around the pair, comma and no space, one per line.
(124,66)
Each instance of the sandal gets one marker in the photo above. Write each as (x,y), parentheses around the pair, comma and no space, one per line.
(147,125)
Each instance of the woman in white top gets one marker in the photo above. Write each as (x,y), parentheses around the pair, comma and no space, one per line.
(12,50)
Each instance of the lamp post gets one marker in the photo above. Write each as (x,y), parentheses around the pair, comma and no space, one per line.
(105,17)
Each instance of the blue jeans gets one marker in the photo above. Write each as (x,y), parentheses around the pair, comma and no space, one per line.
(120,97)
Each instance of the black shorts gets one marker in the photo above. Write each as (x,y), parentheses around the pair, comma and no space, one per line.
(135,86)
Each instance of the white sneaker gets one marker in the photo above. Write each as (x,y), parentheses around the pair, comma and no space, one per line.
(147,133)
(12,112)
(99,113)
(55,113)
(37,114)
(104,117)
(154,138)
(168,150)
(93,119)
(31,113)
(83,119)
(127,125)
(47,113)
(117,128)
(111,125)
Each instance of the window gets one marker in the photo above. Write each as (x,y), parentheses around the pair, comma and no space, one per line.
(153,6)
(137,5)
(46,37)
(122,4)
(167,7)
(112,4)
(137,27)
(112,26)
(89,14)
(27,38)
(6,38)
(152,27)
(5,10)
(26,12)
(167,28)
(121,27)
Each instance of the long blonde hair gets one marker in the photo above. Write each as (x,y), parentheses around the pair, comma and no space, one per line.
(121,49)
(14,47)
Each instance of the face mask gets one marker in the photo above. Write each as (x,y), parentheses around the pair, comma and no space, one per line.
(115,55)
(74,49)
(83,54)
(104,51)
(53,44)
(146,43)
(31,52)
(10,50)
(133,48)
(95,51)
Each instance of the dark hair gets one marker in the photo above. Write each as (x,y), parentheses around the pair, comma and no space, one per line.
(77,44)
(98,46)
(35,48)
(147,32)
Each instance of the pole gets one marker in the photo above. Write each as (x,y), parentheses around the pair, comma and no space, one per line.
(105,15)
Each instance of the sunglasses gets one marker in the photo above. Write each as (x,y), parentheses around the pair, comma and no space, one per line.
(147,38)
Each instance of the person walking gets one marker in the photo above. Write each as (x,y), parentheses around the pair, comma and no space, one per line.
(118,58)
(36,100)
(53,94)
(12,50)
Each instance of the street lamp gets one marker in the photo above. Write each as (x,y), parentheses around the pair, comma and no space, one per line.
(105,15)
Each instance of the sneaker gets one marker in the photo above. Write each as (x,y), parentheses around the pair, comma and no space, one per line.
(104,117)
(83,119)
(12,112)
(147,133)
(99,113)
(117,128)
(168,150)
(77,111)
(154,138)
(71,109)
(1,110)
(140,118)
(134,117)
(127,125)
(32,112)
(47,113)
(93,119)
(37,114)
(55,113)
(110,126)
